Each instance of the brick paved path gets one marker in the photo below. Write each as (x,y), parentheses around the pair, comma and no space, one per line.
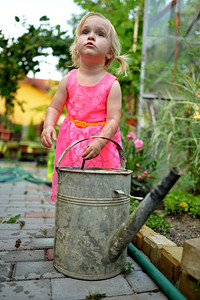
(26,253)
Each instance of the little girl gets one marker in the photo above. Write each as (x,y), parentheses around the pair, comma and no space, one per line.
(92,97)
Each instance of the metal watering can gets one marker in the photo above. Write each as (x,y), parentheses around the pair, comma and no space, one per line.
(92,224)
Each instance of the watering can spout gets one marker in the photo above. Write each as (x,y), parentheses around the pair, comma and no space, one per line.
(121,239)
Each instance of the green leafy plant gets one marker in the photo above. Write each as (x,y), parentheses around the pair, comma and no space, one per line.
(31,133)
(133,204)
(195,286)
(12,220)
(127,268)
(140,161)
(19,56)
(95,296)
(21,224)
(182,202)
(17,128)
(156,221)
(45,231)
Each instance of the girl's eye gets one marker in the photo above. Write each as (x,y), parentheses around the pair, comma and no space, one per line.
(85,32)
(100,34)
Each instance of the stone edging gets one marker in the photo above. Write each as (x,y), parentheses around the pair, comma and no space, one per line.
(180,265)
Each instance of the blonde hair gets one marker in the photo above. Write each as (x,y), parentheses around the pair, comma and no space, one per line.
(115,46)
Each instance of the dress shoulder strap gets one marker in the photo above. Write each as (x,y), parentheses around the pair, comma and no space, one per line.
(108,82)
(71,73)
(71,79)
(112,77)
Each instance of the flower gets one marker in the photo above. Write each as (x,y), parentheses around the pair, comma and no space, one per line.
(196,115)
(138,143)
(198,94)
(131,135)
(184,205)
(139,150)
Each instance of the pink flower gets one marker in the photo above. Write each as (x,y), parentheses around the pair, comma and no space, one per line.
(138,143)
(145,172)
(131,135)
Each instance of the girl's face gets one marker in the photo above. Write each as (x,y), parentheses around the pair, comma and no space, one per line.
(94,40)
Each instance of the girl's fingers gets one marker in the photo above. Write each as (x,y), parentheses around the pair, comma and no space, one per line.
(47,136)
(54,136)
(90,152)
(46,141)
(89,156)
(86,153)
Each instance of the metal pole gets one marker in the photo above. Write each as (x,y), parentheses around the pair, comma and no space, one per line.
(142,74)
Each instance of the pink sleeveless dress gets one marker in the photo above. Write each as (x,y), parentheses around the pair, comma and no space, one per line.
(88,104)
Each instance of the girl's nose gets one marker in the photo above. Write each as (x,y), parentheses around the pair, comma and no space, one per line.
(91,36)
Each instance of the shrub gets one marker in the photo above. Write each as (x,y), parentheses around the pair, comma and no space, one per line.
(156,221)
(17,128)
(139,161)
(182,202)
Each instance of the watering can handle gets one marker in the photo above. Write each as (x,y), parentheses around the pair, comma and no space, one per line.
(120,150)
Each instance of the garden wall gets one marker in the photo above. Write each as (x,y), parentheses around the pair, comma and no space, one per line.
(181,265)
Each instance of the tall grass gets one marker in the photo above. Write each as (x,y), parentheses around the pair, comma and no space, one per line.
(175,134)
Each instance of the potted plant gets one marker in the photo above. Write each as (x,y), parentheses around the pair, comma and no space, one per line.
(6,135)
(17,132)
(6,132)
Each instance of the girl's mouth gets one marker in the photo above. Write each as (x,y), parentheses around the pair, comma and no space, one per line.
(89,44)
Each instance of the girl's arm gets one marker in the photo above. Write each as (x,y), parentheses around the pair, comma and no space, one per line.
(113,117)
(53,113)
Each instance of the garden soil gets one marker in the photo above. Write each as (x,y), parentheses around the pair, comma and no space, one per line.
(182,228)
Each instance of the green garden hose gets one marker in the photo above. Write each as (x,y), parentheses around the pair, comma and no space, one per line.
(15,174)
(166,286)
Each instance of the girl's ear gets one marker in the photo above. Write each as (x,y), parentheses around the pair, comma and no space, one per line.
(76,50)
(109,55)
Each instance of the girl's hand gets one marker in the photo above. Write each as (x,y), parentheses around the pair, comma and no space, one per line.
(48,133)
(92,150)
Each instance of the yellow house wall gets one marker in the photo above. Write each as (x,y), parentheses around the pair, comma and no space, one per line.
(32,97)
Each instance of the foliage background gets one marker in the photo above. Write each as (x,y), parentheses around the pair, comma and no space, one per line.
(174,136)
(19,56)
